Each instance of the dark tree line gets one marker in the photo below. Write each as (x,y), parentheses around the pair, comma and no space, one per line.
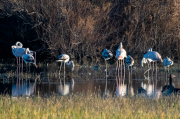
(83,28)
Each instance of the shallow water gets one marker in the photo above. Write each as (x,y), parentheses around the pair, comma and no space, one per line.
(46,81)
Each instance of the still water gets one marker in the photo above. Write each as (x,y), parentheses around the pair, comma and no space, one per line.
(85,79)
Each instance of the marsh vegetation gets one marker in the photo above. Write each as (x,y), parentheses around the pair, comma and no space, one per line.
(89,106)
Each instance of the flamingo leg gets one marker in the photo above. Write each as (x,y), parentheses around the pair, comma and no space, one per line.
(165,69)
(121,69)
(156,70)
(22,64)
(60,69)
(153,66)
(118,68)
(124,67)
(106,69)
(106,79)
(117,65)
(29,67)
(26,68)
(19,67)
(64,70)
(168,69)
(17,60)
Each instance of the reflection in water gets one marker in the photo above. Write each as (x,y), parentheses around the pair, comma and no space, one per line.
(150,89)
(121,87)
(65,88)
(23,89)
(122,84)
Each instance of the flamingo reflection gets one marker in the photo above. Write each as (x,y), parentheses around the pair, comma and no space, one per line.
(150,89)
(23,89)
(121,88)
(66,87)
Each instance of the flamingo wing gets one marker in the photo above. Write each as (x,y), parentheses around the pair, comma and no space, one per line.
(19,52)
(28,58)
(155,56)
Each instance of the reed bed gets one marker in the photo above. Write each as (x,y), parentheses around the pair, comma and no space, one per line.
(89,106)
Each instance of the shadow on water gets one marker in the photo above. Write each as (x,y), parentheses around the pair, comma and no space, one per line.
(45,80)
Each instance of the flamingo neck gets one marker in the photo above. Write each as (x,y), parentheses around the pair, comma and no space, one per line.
(70,63)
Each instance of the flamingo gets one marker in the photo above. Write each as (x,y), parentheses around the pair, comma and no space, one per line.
(14,47)
(106,54)
(64,58)
(147,60)
(129,61)
(167,62)
(18,51)
(29,58)
(120,55)
(151,56)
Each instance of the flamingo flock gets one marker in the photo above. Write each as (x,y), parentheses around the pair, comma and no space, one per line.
(24,53)
(29,56)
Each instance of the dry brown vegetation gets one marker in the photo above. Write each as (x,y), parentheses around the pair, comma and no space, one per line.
(83,28)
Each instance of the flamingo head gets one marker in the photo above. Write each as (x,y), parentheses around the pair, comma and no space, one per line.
(19,44)
(149,49)
(27,51)
(13,47)
(144,60)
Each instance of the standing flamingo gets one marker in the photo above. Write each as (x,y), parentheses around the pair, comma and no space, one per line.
(120,55)
(167,62)
(28,58)
(106,54)
(14,48)
(64,58)
(18,51)
(147,60)
(151,56)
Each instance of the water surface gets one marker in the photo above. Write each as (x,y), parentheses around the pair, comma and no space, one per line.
(86,79)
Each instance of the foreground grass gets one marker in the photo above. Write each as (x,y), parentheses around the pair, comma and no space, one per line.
(92,106)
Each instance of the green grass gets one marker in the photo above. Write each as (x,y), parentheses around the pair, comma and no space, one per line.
(89,106)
